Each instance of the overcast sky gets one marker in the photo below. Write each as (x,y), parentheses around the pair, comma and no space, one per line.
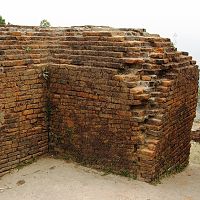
(176,19)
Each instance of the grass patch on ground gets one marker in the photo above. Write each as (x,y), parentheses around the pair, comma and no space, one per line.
(25,163)
(168,173)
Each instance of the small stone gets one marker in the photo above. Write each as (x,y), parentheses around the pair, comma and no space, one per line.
(20,182)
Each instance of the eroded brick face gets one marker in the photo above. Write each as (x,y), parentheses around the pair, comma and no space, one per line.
(116,99)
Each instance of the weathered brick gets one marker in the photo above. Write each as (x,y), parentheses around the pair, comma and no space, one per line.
(109,97)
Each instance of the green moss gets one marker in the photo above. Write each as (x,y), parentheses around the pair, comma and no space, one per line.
(107,171)
(25,163)
(27,49)
(171,171)
(125,173)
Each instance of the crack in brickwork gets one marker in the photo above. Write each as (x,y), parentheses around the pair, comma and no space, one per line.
(2,120)
(116,99)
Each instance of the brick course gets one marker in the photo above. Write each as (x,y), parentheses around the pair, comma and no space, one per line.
(117,99)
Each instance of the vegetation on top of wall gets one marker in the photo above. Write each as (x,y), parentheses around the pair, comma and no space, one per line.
(44,23)
(2,20)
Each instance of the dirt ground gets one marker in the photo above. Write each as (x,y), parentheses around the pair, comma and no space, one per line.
(53,179)
(195,153)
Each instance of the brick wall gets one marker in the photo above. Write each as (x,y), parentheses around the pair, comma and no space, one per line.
(117,99)
(23,131)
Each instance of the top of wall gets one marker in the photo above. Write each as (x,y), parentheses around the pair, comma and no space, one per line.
(86,28)
(96,46)
(78,28)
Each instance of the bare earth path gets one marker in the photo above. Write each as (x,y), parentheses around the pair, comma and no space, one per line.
(52,179)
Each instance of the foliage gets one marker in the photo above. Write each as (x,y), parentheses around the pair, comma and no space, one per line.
(27,49)
(2,21)
(172,171)
(44,23)
(25,163)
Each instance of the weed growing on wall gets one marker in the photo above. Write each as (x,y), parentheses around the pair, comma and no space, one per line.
(2,21)
(44,23)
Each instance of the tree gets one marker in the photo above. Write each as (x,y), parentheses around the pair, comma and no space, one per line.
(45,23)
(2,20)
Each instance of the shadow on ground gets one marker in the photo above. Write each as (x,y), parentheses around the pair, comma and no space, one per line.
(53,179)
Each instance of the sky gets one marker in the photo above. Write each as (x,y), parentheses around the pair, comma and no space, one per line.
(178,20)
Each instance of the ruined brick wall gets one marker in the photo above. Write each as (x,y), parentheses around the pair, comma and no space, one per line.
(23,131)
(117,99)
(179,111)
(125,101)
